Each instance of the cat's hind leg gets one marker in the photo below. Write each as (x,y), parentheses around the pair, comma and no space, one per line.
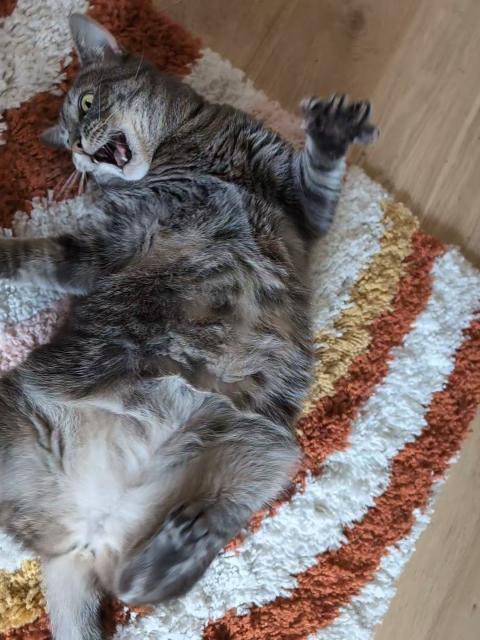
(237,463)
(73,598)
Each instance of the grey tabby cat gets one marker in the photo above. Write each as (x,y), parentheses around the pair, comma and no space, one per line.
(143,437)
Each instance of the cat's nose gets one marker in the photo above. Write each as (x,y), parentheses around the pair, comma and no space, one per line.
(77,146)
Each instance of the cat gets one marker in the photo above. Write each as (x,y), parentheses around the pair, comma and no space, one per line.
(142,438)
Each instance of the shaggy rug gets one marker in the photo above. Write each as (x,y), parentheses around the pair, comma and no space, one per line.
(397,375)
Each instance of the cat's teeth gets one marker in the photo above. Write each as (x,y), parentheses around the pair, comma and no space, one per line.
(120,155)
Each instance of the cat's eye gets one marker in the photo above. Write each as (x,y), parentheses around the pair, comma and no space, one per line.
(86,102)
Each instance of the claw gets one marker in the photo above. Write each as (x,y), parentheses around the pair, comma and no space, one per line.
(336,122)
(329,103)
(340,102)
(365,110)
(309,104)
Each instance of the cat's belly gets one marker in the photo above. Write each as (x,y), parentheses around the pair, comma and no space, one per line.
(114,471)
(108,481)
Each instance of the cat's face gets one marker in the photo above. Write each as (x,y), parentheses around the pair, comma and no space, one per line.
(119,108)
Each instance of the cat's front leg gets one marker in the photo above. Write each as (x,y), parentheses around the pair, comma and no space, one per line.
(331,126)
(67,262)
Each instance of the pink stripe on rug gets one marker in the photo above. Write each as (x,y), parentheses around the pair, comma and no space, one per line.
(16,341)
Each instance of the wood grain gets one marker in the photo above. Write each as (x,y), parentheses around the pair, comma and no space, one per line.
(418,61)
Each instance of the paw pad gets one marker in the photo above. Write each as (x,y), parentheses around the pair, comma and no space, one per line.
(336,122)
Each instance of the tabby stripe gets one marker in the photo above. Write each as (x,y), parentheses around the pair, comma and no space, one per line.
(341,573)
(28,168)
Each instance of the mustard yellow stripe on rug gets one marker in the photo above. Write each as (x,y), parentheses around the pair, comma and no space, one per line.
(371,295)
(21,598)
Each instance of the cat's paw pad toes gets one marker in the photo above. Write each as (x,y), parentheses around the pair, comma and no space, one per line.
(336,122)
(173,560)
(186,525)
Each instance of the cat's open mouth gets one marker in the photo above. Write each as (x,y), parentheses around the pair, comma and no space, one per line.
(116,151)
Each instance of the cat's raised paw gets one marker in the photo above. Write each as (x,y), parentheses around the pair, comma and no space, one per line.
(336,122)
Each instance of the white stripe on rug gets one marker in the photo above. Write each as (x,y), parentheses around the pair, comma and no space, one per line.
(313,521)
(12,554)
(37,34)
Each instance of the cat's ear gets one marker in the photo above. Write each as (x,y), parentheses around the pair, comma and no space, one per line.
(92,41)
(54,136)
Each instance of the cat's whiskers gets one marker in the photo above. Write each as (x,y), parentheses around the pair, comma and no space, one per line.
(81,185)
(67,184)
(139,65)
(100,95)
(98,132)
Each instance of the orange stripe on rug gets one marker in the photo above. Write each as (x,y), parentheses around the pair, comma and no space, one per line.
(38,630)
(30,169)
(6,7)
(326,427)
(339,575)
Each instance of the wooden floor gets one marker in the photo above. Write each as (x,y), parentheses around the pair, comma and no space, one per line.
(419,63)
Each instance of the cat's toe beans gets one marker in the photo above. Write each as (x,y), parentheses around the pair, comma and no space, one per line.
(367,134)
(172,561)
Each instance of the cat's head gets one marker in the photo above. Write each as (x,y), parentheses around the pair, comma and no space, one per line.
(119,108)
